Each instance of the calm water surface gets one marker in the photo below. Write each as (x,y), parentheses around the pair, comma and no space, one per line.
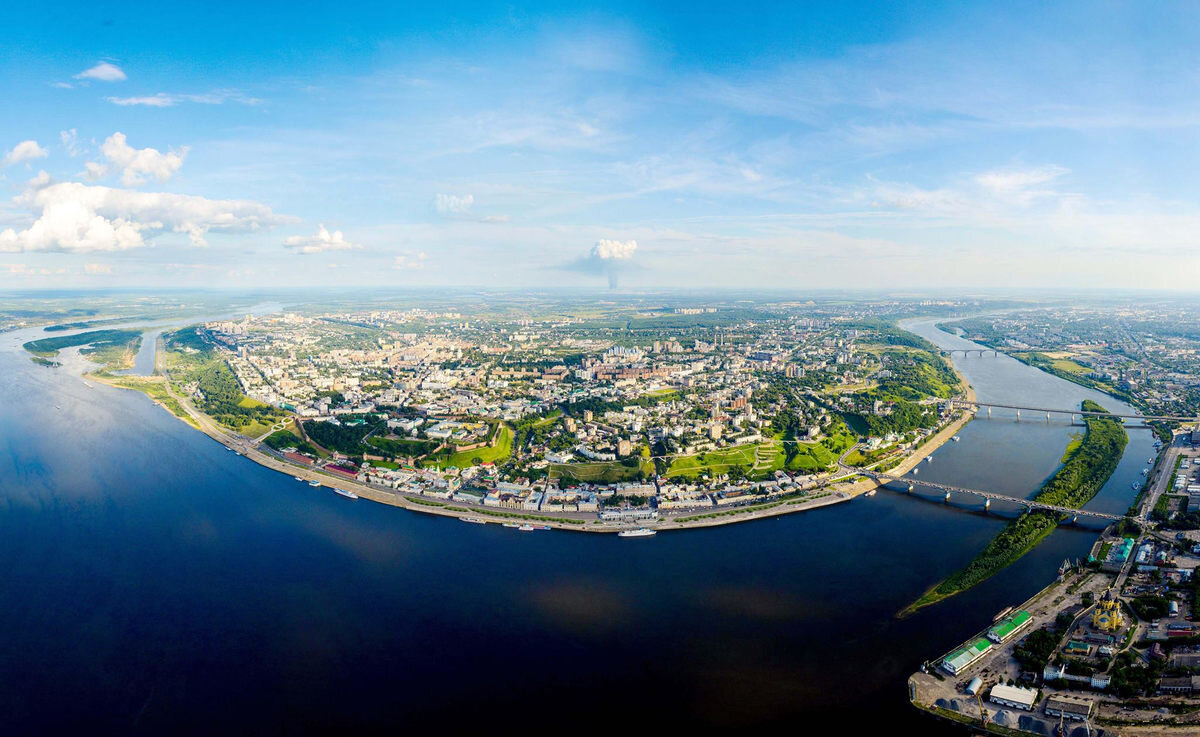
(155,582)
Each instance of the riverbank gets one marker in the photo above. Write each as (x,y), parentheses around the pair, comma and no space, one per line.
(1075,483)
(833,491)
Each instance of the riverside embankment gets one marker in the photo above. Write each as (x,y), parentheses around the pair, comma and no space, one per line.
(838,487)
(160,575)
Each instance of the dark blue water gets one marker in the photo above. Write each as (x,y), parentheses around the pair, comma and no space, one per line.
(153,582)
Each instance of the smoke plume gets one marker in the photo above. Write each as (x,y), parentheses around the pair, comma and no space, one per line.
(609,258)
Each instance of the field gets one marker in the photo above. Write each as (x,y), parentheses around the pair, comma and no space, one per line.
(1070,367)
(749,458)
(499,450)
(601,472)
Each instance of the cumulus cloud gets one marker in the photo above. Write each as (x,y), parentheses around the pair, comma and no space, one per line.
(76,217)
(606,250)
(135,165)
(24,151)
(320,242)
(410,261)
(607,258)
(103,72)
(453,205)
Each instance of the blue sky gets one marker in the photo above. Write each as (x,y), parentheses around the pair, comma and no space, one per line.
(700,144)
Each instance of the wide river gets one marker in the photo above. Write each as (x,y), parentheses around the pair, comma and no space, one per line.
(153,582)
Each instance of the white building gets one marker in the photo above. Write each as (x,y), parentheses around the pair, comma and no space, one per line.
(1014,696)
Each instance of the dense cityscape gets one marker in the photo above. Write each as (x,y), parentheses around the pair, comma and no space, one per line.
(386,366)
(664,414)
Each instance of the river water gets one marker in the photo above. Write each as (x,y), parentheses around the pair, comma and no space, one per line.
(154,582)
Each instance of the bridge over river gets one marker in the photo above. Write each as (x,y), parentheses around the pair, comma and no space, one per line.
(988,496)
(976,404)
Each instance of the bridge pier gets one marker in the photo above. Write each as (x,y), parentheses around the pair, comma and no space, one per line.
(1047,417)
(987,505)
(910,488)
(1018,415)
(946,498)
(1075,520)
(989,413)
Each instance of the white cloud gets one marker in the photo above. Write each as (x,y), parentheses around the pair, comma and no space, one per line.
(93,171)
(410,261)
(103,72)
(1021,185)
(41,180)
(620,250)
(320,242)
(166,99)
(97,268)
(75,217)
(453,205)
(159,100)
(70,142)
(24,151)
(135,164)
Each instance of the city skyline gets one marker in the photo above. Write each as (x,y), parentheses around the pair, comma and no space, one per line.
(920,147)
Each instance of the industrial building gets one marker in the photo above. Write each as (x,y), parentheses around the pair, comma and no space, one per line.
(1069,708)
(1006,628)
(961,659)
(1013,696)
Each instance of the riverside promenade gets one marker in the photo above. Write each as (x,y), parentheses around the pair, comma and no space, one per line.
(841,486)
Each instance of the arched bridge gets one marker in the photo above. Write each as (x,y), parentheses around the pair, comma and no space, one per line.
(989,496)
(965,404)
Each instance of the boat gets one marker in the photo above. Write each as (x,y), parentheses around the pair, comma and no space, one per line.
(870,493)
(297,478)
(1149,460)
(347,494)
(1145,472)
(639,532)
(916,470)
(525,528)
(511,524)
(1136,485)
(956,438)
(543,527)
(314,483)
(473,520)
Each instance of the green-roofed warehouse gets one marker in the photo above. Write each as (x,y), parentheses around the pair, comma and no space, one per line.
(1009,626)
(961,659)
